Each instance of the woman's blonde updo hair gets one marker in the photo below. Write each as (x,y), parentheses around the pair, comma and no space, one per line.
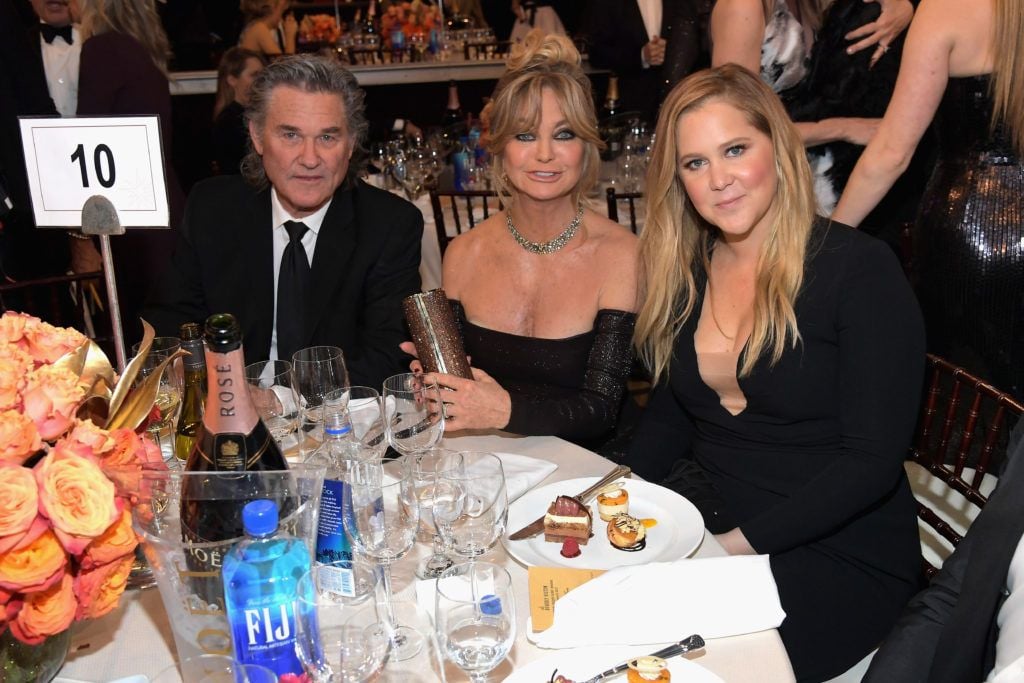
(542,61)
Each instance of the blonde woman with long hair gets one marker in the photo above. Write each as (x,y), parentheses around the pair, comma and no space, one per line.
(963,66)
(788,353)
(545,289)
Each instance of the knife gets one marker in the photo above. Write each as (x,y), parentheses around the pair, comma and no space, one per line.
(537,526)
(685,645)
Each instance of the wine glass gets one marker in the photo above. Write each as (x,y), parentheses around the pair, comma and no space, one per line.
(270,387)
(475,617)
(367,428)
(168,396)
(330,649)
(215,669)
(424,467)
(470,502)
(413,413)
(319,378)
(382,527)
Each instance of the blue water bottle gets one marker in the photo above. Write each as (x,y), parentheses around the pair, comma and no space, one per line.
(261,575)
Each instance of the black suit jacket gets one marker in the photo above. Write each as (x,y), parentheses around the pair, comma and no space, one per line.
(948,631)
(616,35)
(366,261)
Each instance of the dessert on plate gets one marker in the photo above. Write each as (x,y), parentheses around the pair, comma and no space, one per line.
(626,532)
(567,518)
(612,500)
(648,670)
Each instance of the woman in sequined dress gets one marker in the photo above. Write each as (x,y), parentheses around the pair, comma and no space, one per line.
(958,67)
(545,290)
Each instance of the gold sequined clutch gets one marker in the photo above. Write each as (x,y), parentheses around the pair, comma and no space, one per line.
(435,333)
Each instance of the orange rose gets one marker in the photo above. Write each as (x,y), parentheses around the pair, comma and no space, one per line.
(19,500)
(33,566)
(114,543)
(46,613)
(12,328)
(76,497)
(47,343)
(50,397)
(12,380)
(99,589)
(19,437)
(96,439)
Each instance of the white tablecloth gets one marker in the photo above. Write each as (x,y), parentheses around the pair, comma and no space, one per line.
(136,638)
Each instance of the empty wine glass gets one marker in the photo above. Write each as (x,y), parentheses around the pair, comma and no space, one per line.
(168,397)
(382,527)
(475,617)
(424,467)
(470,502)
(319,378)
(270,386)
(330,648)
(413,413)
(367,427)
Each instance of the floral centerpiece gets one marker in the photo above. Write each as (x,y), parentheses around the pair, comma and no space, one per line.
(69,453)
(319,29)
(411,18)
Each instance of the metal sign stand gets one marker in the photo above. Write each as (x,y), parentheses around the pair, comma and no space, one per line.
(99,217)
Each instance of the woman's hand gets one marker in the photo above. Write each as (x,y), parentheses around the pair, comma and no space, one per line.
(735,543)
(291,26)
(894,19)
(416,367)
(478,403)
(858,131)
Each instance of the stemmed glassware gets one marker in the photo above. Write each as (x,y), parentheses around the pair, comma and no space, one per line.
(470,502)
(424,466)
(382,527)
(413,413)
(475,617)
(270,386)
(319,378)
(330,648)
(168,397)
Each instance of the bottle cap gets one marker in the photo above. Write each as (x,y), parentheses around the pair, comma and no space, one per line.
(223,333)
(259,518)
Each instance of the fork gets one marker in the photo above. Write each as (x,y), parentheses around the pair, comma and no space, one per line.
(685,645)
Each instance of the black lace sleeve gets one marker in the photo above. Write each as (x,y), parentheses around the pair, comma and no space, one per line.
(592,412)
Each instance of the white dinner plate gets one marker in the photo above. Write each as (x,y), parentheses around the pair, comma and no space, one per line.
(679,530)
(582,663)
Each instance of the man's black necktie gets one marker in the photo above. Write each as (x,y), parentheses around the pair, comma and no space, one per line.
(51,32)
(293,284)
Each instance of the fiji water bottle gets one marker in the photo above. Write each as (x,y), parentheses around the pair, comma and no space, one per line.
(332,544)
(261,575)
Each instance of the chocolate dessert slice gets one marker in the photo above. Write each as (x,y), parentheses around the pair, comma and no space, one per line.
(567,518)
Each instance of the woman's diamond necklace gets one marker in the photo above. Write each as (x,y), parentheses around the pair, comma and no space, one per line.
(546,247)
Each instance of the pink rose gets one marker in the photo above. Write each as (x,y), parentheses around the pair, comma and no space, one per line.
(46,613)
(76,497)
(19,437)
(96,439)
(50,397)
(12,381)
(99,589)
(114,543)
(12,328)
(19,501)
(47,343)
(34,565)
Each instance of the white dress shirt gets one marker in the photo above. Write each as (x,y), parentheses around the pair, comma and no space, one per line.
(278,217)
(60,61)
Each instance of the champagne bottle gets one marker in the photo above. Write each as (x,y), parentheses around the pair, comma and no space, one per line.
(609,129)
(230,438)
(453,111)
(194,394)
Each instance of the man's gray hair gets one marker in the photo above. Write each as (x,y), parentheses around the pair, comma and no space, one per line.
(312,74)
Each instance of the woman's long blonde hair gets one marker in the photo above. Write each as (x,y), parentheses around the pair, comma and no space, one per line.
(677,241)
(542,61)
(1008,72)
(136,18)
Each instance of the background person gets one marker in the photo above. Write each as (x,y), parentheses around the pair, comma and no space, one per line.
(238,67)
(788,353)
(267,30)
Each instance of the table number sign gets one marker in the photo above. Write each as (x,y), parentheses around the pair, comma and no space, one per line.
(70,160)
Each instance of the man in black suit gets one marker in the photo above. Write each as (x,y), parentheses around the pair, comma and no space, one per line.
(650,44)
(300,249)
(971,616)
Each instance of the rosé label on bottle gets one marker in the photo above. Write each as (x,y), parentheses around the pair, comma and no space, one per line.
(234,412)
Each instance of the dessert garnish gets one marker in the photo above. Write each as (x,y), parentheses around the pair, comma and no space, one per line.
(570,548)
(648,522)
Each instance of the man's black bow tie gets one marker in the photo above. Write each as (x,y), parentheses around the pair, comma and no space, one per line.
(51,32)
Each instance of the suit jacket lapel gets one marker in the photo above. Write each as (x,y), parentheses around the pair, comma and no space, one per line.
(257,238)
(335,244)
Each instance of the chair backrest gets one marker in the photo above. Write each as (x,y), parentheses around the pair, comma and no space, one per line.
(77,301)
(465,208)
(630,198)
(963,423)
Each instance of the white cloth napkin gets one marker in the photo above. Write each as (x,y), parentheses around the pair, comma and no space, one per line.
(522,472)
(664,601)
